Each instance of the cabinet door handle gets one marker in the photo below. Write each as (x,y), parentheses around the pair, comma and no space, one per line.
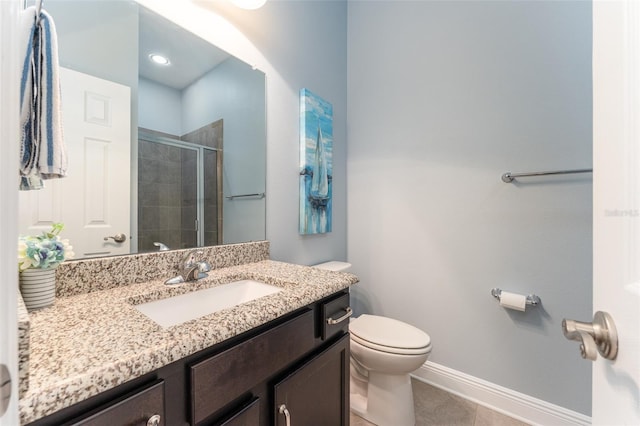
(154,420)
(287,416)
(348,313)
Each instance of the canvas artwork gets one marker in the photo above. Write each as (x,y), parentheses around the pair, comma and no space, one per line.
(316,165)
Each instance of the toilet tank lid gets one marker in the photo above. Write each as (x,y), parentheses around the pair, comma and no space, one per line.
(389,332)
(334,265)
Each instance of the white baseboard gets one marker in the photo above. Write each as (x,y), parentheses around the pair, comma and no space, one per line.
(514,404)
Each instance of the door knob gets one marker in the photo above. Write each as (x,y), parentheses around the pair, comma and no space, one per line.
(599,336)
(118,238)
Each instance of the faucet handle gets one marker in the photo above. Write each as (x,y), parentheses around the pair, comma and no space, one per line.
(190,258)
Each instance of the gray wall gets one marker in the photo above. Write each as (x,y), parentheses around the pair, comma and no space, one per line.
(235,93)
(443,98)
(305,45)
(160,107)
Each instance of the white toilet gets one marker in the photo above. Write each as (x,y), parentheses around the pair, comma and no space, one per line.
(383,353)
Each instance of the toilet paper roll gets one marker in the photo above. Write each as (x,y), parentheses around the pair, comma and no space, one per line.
(513,301)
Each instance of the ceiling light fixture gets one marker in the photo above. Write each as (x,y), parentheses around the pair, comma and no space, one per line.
(249,4)
(159,59)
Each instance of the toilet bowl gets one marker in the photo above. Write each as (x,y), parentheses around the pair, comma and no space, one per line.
(383,353)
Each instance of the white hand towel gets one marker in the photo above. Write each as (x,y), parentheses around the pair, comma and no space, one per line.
(29,145)
(43,152)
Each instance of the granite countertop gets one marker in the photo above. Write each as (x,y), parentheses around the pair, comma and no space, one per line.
(88,343)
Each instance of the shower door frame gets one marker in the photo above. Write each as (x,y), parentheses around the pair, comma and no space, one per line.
(150,136)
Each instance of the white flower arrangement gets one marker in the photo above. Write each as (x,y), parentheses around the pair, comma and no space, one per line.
(44,251)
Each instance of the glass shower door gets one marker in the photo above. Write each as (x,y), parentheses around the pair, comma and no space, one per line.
(212,205)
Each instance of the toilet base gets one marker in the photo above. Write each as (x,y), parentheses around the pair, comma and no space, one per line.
(388,400)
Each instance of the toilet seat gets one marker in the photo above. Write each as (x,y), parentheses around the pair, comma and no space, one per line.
(389,335)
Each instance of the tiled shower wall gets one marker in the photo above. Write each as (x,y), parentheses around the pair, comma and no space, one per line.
(159,195)
(167,191)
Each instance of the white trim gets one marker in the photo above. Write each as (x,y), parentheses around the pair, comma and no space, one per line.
(9,143)
(506,401)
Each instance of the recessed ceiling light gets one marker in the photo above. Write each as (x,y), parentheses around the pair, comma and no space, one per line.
(249,4)
(159,59)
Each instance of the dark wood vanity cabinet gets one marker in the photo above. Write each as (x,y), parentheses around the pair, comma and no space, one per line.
(317,393)
(298,364)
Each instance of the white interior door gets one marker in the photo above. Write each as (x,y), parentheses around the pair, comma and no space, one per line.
(616,289)
(93,200)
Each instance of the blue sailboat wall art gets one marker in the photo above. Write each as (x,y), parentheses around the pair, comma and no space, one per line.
(316,164)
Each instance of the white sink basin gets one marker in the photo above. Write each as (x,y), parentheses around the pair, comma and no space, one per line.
(185,307)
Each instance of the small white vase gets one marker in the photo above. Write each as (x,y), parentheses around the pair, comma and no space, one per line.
(38,287)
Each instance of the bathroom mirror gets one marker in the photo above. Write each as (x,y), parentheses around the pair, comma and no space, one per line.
(185,165)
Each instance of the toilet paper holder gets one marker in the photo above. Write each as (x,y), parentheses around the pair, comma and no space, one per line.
(532,299)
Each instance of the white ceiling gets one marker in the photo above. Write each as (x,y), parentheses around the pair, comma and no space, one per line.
(190,56)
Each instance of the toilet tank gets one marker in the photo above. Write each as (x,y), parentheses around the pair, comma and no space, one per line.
(333,265)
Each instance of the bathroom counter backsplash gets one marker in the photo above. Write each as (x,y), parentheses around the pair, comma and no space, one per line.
(91,342)
(87,275)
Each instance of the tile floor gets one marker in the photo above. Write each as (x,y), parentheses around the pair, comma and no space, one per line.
(435,407)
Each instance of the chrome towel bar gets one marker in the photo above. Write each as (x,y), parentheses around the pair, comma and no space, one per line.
(509,177)
(259,195)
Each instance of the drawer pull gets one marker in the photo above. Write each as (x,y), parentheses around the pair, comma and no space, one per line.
(154,420)
(287,416)
(348,313)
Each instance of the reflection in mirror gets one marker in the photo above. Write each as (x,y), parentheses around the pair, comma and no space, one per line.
(162,152)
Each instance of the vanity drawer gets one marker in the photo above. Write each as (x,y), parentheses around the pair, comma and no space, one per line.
(220,379)
(133,409)
(335,316)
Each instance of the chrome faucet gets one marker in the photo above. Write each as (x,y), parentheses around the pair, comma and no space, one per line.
(161,246)
(192,269)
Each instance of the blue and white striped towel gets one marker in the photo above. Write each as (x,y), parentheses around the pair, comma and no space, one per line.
(43,154)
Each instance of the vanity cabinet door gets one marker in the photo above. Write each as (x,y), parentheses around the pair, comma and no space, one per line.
(317,393)
(220,379)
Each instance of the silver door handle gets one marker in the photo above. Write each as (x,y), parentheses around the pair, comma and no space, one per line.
(287,416)
(599,336)
(118,238)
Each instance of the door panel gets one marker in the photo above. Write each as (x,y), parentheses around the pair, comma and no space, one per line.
(616,212)
(323,380)
(93,200)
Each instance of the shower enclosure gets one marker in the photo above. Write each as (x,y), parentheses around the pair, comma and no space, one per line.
(180,189)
